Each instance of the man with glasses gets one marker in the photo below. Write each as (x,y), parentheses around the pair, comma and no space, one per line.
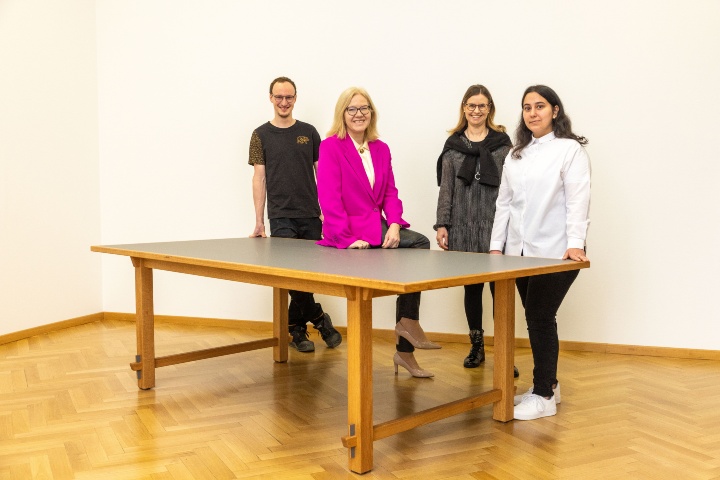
(284,154)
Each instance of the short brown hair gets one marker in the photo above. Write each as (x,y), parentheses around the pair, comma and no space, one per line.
(282,80)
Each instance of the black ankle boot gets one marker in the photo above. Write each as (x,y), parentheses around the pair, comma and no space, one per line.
(477,351)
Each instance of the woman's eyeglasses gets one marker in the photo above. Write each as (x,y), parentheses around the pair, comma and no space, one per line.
(352,111)
(483,107)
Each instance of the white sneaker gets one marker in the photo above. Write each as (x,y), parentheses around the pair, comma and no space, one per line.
(556,395)
(534,406)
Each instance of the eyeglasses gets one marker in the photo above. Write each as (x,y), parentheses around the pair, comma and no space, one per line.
(483,107)
(280,98)
(352,111)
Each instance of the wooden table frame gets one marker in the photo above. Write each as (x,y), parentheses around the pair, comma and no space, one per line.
(359,293)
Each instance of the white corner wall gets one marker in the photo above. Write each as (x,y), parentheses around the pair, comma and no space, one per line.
(182,84)
(49,183)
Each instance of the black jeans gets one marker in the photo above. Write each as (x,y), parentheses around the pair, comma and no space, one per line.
(473,304)
(408,304)
(303,307)
(541,297)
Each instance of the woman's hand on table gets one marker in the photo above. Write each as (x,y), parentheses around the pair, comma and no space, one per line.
(359,244)
(577,254)
(392,237)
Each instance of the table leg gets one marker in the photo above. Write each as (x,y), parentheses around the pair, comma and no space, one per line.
(280,324)
(144,324)
(504,348)
(360,385)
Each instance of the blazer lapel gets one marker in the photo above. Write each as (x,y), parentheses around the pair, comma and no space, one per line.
(378,167)
(353,158)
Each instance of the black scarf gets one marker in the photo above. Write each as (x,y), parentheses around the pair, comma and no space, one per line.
(480,154)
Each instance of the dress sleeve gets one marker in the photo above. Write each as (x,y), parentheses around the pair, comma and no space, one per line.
(445,196)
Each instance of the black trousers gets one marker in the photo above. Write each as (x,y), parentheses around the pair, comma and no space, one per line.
(541,297)
(302,308)
(408,304)
(473,304)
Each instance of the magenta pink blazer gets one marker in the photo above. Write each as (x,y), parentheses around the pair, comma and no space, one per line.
(352,210)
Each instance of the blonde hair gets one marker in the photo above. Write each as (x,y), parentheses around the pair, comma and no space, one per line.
(489,119)
(338,126)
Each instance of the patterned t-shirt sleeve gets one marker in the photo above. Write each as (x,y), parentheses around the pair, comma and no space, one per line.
(256,150)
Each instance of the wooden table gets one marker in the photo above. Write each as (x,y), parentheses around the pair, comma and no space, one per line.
(357,275)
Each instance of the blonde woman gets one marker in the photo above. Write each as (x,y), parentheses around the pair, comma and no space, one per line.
(361,208)
(468,171)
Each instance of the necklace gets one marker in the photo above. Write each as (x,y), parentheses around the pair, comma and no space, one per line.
(480,137)
(362,148)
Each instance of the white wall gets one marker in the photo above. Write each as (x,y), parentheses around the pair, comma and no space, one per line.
(182,84)
(49,184)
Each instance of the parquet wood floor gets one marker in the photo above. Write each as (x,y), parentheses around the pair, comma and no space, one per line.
(70,409)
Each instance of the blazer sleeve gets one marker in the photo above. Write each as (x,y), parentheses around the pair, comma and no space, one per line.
(336,227)
(391,204)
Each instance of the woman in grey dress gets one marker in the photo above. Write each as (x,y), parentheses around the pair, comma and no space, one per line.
(468,172)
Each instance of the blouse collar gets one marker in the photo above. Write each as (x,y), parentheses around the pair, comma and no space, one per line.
(544,139)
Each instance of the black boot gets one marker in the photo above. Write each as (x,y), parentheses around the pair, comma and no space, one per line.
(300,340)
(477,351)
(328,333)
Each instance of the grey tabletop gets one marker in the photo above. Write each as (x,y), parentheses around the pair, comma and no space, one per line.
(403,267)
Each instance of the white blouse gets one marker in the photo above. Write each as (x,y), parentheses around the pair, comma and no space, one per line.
(544,199)
(364,153)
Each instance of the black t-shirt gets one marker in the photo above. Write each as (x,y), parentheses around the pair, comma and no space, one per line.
(289,155)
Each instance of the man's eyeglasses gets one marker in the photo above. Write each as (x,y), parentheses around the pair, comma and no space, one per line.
(352,111)
(280,98)
(483,107)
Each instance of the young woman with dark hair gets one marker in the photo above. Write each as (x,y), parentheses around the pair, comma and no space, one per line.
(561,124)
(542,211)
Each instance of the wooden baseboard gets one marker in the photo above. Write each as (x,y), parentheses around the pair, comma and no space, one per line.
(50,327)
(208,322)
(572,346)
(566,345)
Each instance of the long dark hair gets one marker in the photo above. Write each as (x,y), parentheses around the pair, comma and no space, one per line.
(489,119)
(561,124)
